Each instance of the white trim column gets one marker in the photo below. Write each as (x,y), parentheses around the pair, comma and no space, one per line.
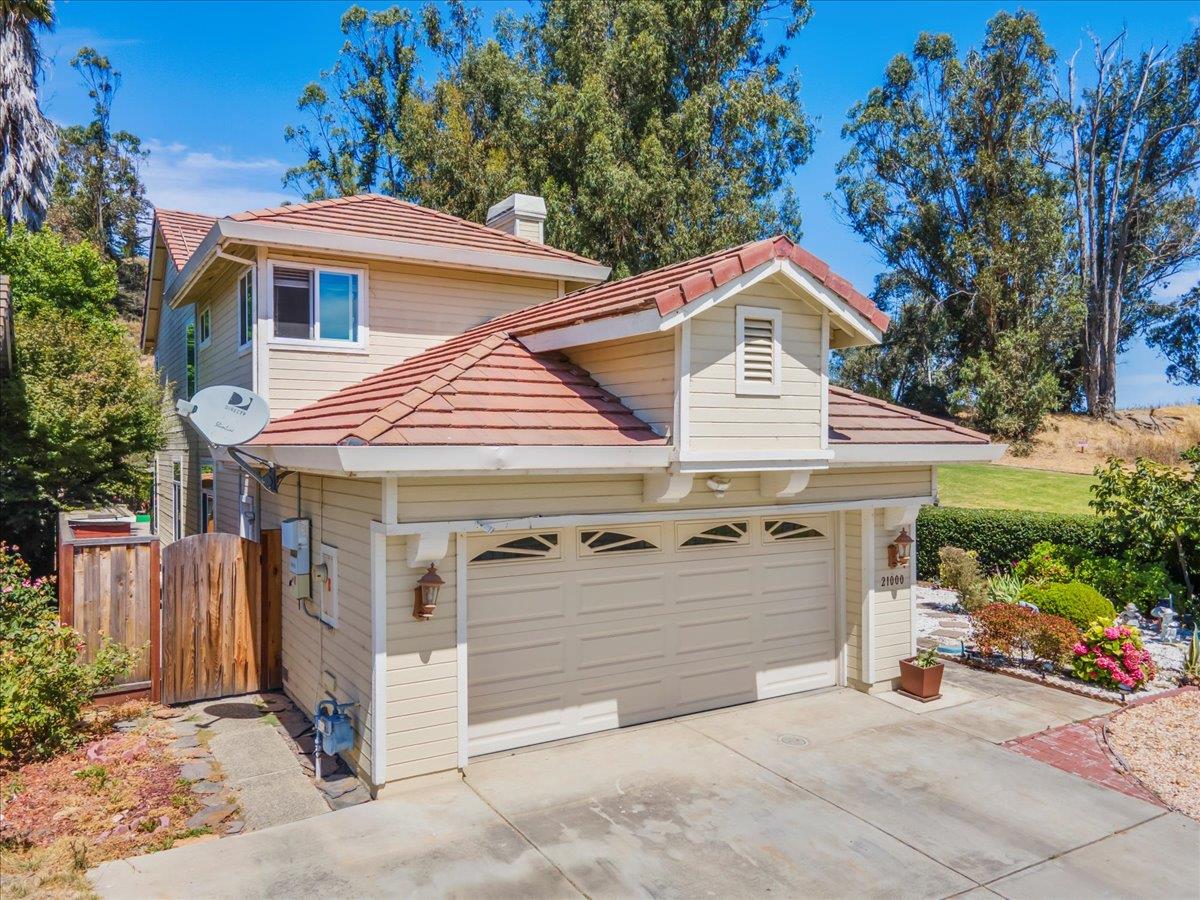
(460,610)
(868,596)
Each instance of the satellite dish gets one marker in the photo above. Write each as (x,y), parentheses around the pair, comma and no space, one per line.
(226,416)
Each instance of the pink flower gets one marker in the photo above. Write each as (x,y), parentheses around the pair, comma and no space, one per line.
(1111,633)
(1080,649)
(1125,632)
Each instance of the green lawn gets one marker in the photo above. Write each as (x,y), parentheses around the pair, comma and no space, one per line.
(1005,487)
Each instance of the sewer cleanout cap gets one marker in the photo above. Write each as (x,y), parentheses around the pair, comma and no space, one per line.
(793,740)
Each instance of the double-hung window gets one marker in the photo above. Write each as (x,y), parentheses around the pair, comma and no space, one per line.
(205,327)
(318,305)
(246,310)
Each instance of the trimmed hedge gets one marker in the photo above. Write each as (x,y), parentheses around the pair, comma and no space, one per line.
(1002,536)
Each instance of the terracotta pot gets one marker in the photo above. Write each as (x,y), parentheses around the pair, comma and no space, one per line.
(923,683)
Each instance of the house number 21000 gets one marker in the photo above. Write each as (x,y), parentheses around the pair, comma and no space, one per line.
(892,581)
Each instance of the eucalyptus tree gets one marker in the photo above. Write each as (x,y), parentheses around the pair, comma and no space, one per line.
(27,137)
(655,129)
(946,179)
(1133,164)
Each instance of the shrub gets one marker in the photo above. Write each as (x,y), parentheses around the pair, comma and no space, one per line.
(1046,562)
(1021,633)
(1126,580)
(1113,656)
(1003,536)
(43,684)
(1004,588)
(1078,602)
(959,570)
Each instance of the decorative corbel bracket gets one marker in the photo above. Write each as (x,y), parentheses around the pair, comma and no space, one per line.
(427,547)
(787,483)
(666,487)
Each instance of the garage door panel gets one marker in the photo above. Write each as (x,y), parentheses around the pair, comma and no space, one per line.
(620,647)
(517,602)
(509,661)
(603,640)
(620,592)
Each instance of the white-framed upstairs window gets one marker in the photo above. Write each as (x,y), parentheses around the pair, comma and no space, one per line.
(204,328)
(759,360)
(245,302)
(321,306)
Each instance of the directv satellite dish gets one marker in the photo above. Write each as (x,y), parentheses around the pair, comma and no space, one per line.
(226,416)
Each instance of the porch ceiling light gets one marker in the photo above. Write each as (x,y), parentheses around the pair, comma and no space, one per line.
(425,594)
(900,550)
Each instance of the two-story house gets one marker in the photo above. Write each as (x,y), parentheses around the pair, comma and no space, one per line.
(643,497)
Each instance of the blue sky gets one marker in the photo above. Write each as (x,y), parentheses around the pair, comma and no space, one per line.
(211,86)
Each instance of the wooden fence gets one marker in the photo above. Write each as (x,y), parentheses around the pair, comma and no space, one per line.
(221,616)
(109,588)
(206,623)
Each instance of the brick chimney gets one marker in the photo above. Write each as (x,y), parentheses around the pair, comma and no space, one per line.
(519,214)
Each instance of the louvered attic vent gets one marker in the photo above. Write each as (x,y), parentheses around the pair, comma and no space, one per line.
(758,354)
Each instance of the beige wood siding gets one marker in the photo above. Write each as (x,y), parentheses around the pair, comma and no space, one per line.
(222,361)
(719,419)
(893,622)
(320,659)
(854,595)
(422,670)
(180,442)
(410,309)
(227,483)
(640,370)
(422,656)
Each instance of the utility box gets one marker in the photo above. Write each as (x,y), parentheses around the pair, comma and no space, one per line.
(294,535)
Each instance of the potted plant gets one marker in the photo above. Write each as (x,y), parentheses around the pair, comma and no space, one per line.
(921,675)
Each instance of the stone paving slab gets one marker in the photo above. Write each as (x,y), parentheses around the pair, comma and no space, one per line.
(249,752)
(279,797)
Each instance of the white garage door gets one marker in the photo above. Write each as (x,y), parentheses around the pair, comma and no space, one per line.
(575,630)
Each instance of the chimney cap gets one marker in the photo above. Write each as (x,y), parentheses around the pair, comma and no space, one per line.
(525,206)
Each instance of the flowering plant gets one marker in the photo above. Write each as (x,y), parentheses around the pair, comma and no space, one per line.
(1114,656)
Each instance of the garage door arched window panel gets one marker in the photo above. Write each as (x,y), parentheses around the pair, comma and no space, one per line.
(788,530)
(626,539)
(541,545)
(708,534)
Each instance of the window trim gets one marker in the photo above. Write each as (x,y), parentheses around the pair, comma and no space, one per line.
(204,327)
(757,388)
(328,612)
(498,543)
(191,384)
(650,533)
(244,342)
(687,530)
(770,538)
(177,529)
(317,342)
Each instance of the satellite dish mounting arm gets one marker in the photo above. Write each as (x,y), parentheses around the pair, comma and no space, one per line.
(269,479)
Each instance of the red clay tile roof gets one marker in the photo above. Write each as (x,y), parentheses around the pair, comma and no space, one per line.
(671,287)
(858,419)
(183,232)
(379,216)
(480,388)
(370,215)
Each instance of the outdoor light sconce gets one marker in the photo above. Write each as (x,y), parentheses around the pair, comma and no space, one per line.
(900,550)
(425,594)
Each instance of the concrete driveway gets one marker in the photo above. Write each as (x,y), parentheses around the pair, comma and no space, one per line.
(833,794)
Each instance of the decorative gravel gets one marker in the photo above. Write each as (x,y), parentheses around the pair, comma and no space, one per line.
(1160,743)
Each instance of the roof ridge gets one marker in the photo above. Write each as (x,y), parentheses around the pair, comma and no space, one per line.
(271,211)
(415,397)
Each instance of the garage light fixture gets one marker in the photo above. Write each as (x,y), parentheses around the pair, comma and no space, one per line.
(900,550)
(425,594)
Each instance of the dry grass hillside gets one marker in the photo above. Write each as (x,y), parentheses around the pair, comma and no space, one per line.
(1071,443)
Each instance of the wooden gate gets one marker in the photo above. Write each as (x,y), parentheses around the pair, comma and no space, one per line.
(108,589)
(221,616)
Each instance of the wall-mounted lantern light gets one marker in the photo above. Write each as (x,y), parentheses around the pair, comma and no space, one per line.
(900,550)
(425,594)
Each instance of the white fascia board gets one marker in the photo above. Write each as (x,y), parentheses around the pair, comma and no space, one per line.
(383,248)
(846,315)
(884,454)
(436,460)
(524,523)
(648,321)
(752,461)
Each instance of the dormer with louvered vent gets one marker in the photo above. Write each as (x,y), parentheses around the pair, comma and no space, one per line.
(754,382)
